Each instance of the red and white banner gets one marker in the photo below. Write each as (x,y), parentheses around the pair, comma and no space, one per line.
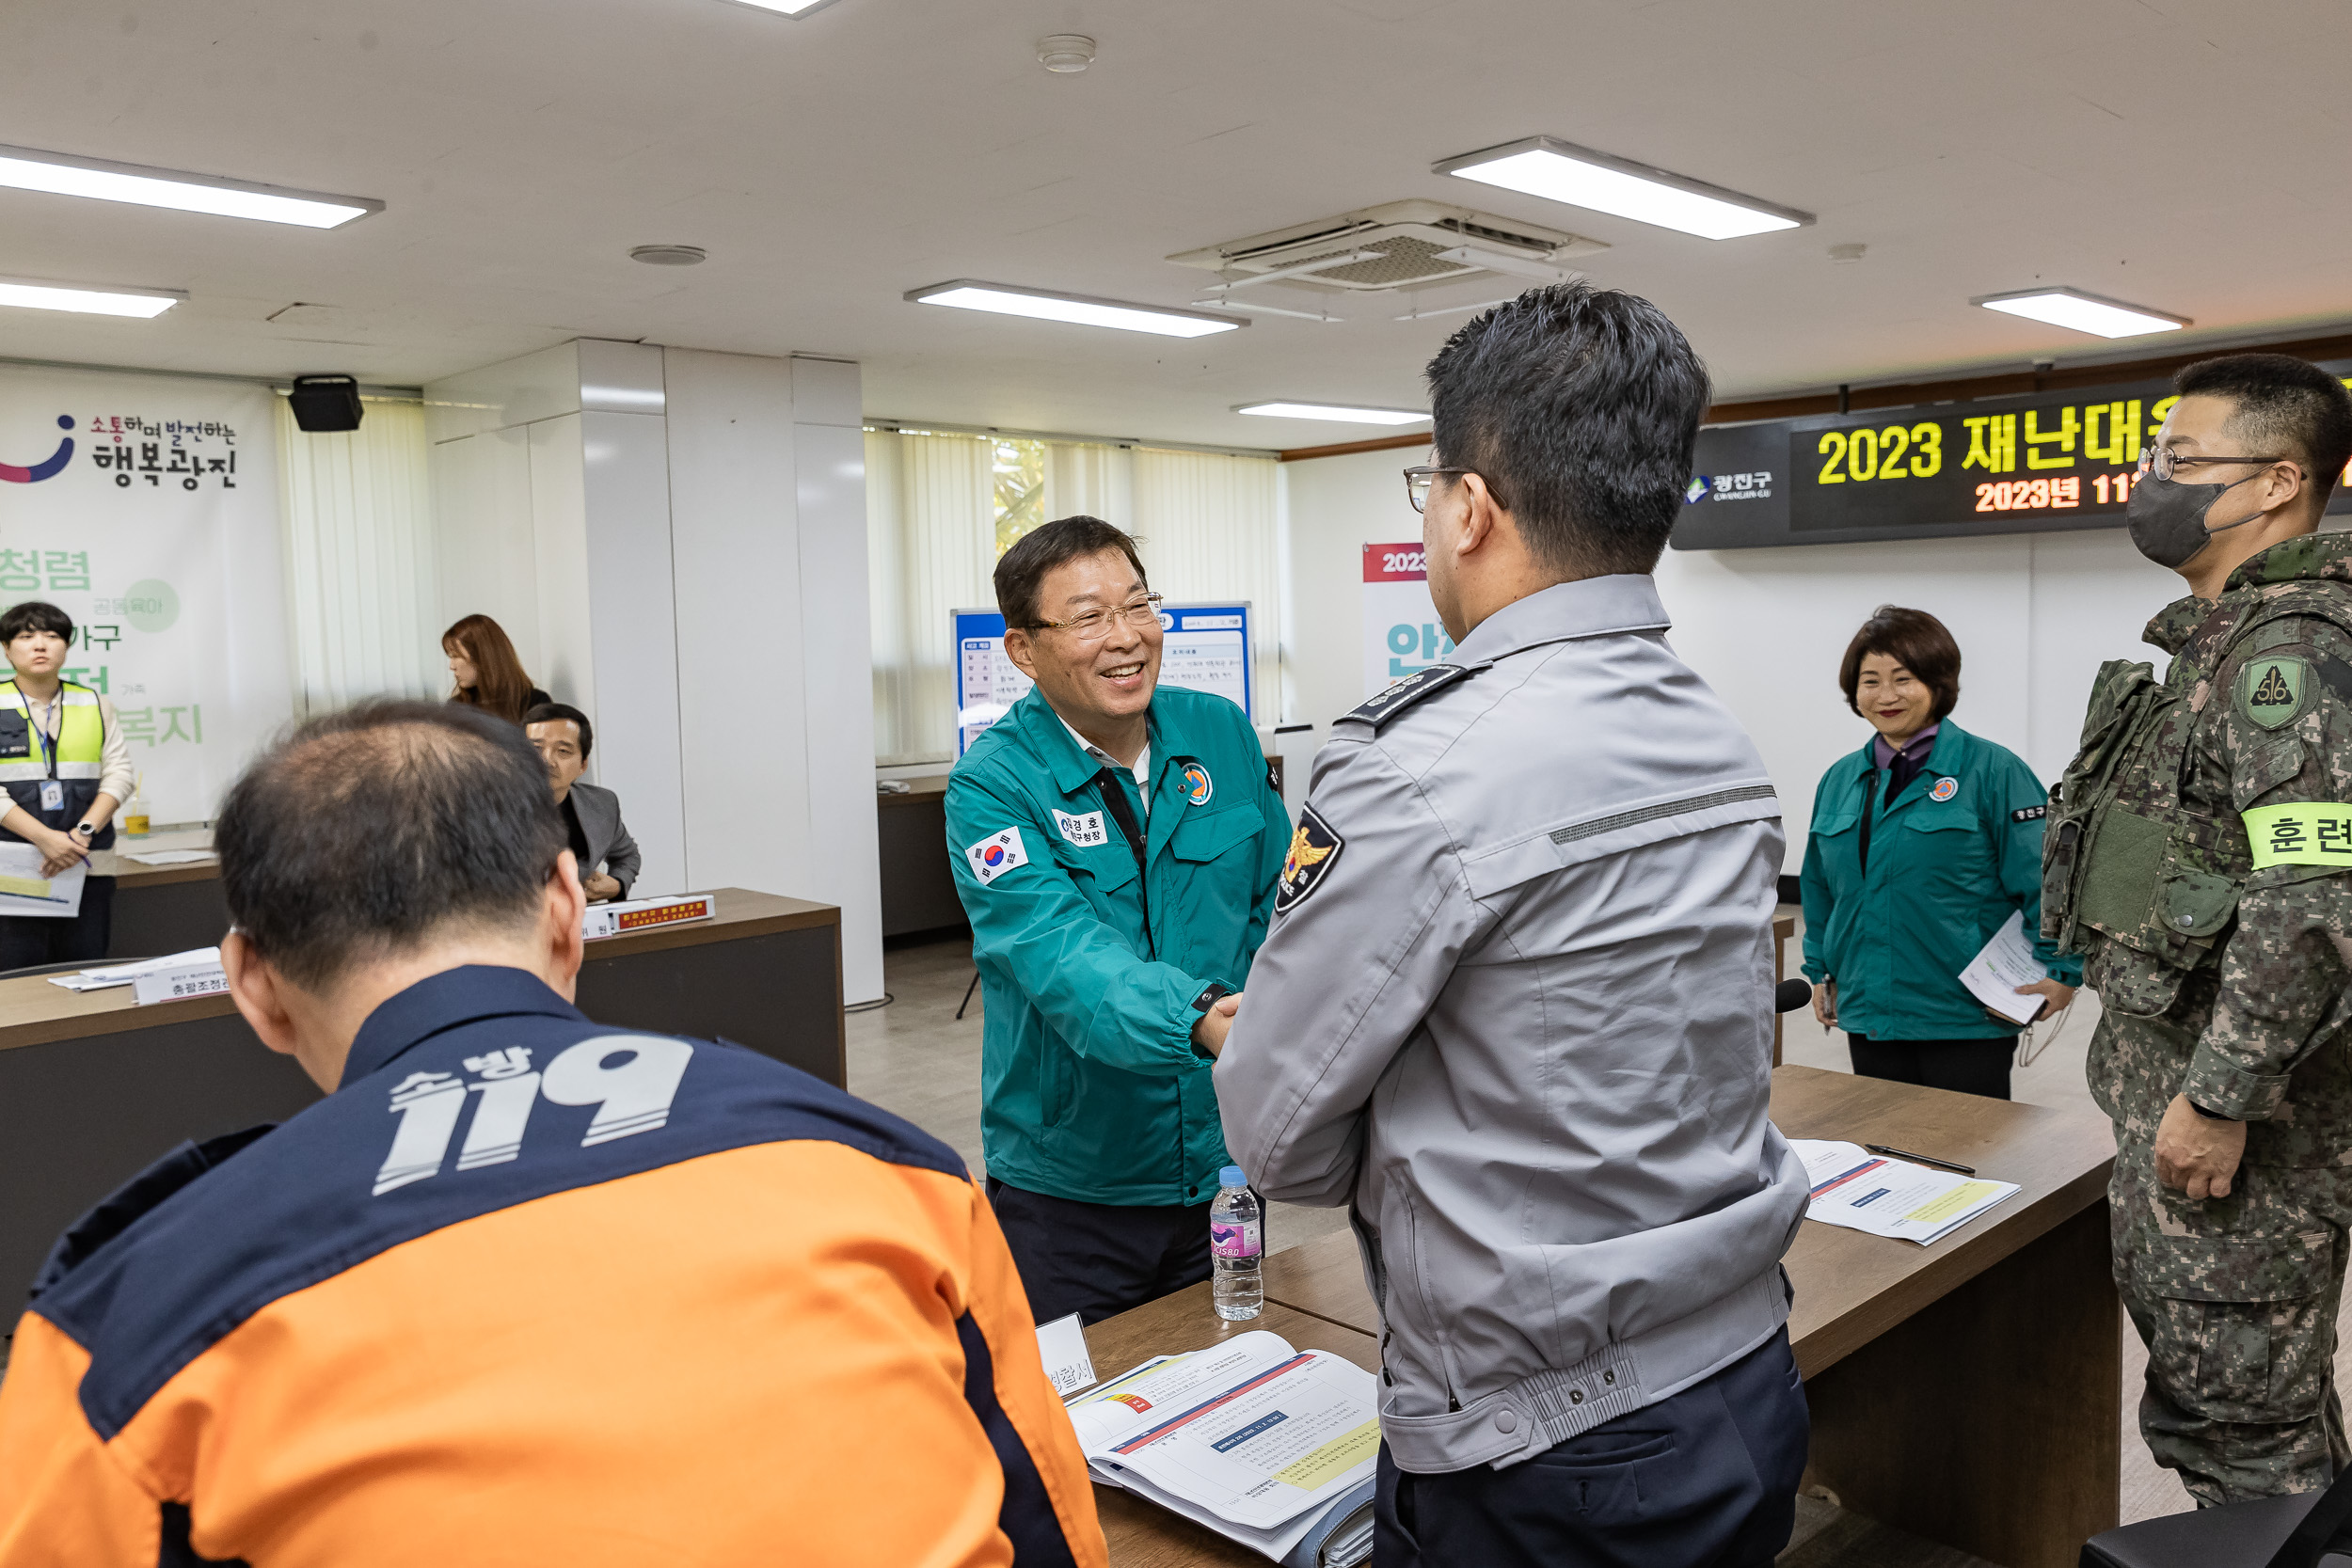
(1402,633)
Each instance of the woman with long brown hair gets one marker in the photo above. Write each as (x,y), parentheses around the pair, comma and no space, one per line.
(485,672)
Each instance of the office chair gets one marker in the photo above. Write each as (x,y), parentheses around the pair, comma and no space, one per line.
(2310,1530)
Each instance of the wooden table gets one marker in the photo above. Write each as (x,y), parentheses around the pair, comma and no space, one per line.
(1141,1535)
(1969,1392)
(918,883)
(164,909)
(93,1087)
(1784,926)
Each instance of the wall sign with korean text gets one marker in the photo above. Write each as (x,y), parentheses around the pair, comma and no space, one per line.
(147,508)
(2046,462)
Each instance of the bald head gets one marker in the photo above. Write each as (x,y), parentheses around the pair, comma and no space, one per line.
(383,829)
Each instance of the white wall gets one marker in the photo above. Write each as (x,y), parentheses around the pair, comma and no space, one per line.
(677,542)
(2034,617)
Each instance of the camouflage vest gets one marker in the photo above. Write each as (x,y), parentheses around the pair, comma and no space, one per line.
(2131,852)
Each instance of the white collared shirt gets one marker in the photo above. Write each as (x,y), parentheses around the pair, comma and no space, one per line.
(1142,769)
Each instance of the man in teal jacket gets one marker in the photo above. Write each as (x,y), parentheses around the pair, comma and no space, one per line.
(1116,847)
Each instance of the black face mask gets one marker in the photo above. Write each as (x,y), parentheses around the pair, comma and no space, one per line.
(2167,519)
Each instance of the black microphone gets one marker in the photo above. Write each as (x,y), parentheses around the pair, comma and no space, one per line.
(1791,994)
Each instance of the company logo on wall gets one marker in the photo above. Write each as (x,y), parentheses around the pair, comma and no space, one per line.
(48,467)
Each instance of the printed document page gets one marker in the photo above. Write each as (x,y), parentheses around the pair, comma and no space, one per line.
(2007,962)
(24,889)
(1870,1193)
(1250,1438)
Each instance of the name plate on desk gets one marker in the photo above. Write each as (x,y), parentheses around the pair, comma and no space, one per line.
(176,984)
(611,920)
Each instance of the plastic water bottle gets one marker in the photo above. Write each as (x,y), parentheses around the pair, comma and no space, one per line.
(1236,1244)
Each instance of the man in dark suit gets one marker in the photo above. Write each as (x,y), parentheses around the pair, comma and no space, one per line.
(608,857)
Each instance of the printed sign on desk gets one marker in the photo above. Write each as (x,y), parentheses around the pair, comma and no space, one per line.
(1402,633)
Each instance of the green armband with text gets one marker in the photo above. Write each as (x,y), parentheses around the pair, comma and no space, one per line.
(2304,833)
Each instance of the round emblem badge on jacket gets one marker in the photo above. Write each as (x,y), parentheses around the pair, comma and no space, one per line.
(1197,787)
(1944,789)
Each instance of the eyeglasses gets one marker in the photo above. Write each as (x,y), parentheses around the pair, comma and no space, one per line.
(2160,461)
(1095,624)
(1417,482)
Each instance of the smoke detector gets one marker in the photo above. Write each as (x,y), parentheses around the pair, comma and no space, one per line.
(1399,244)
(1064,54)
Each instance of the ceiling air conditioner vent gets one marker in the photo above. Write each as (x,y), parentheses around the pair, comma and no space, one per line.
(1401,244)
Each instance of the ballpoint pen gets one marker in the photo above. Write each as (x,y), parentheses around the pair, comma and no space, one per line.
(1921,1159)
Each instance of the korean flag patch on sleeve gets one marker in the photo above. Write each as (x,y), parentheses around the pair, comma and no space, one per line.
(996,855)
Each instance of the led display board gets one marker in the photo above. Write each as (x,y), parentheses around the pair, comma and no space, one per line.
(2041,463)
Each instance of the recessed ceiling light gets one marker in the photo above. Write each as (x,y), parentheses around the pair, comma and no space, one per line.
(59,175)
(966,293)
(31,296)
(669,255)
(2083,313)
(1344,413)
(785,8)
(1579,177)
(1065,54)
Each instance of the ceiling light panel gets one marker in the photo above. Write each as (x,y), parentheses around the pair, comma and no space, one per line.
(1340,412)
(1005,299)
(2083,313)
(1579,177)
(57,174)
(785,8)
(29,295)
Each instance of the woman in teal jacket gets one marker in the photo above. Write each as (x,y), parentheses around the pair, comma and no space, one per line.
(1923,843)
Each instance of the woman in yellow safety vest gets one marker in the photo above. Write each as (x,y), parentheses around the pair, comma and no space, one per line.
(66,766)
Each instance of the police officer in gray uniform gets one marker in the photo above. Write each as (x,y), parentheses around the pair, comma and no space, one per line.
(1514,1008)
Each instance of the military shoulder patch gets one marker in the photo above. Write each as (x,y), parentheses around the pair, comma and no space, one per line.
(2273,689)
(1314,851)
(2029,814)
(1405,694)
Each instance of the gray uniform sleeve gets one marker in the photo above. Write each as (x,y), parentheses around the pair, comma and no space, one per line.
(624,860)
(1364,938)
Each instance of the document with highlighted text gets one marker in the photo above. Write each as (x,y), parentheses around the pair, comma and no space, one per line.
(1267,1446)
(1866,1191)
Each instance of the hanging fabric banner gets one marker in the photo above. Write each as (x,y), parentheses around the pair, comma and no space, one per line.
(1402,632)
(146,507)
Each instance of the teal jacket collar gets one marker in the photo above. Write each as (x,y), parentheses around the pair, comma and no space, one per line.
(1948,760)
(1072,769)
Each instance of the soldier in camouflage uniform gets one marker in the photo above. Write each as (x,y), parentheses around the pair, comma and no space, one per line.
(2197,854)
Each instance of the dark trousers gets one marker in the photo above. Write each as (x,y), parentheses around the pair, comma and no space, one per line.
(1098,1260)
(1705,1480)
(1965,1067)
(29,940)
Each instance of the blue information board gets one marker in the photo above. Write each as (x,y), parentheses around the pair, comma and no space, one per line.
(1203,647)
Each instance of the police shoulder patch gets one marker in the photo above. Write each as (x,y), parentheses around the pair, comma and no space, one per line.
(1403,694)
(2273,689)
(1314,851)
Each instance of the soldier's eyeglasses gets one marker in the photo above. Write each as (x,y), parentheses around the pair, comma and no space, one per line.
(1095,624)
(2160,461)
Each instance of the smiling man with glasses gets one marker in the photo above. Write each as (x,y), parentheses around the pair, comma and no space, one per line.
(1116,845)
(2197,853)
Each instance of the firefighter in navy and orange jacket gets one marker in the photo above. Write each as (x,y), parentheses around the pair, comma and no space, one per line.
(521,1288)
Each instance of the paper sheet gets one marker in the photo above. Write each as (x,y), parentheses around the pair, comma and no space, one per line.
(24,890)
(1062,1346)
(2007,962)
(169,857)
(1862,1191)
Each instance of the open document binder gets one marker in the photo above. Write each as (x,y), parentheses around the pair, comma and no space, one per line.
(1267,1446)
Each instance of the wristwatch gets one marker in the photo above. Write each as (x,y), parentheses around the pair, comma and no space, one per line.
(86,830)
(1202,1004)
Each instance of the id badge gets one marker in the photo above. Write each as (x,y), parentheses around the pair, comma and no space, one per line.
(52,795)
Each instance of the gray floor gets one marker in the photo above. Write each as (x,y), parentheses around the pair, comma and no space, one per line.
(913,1057)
